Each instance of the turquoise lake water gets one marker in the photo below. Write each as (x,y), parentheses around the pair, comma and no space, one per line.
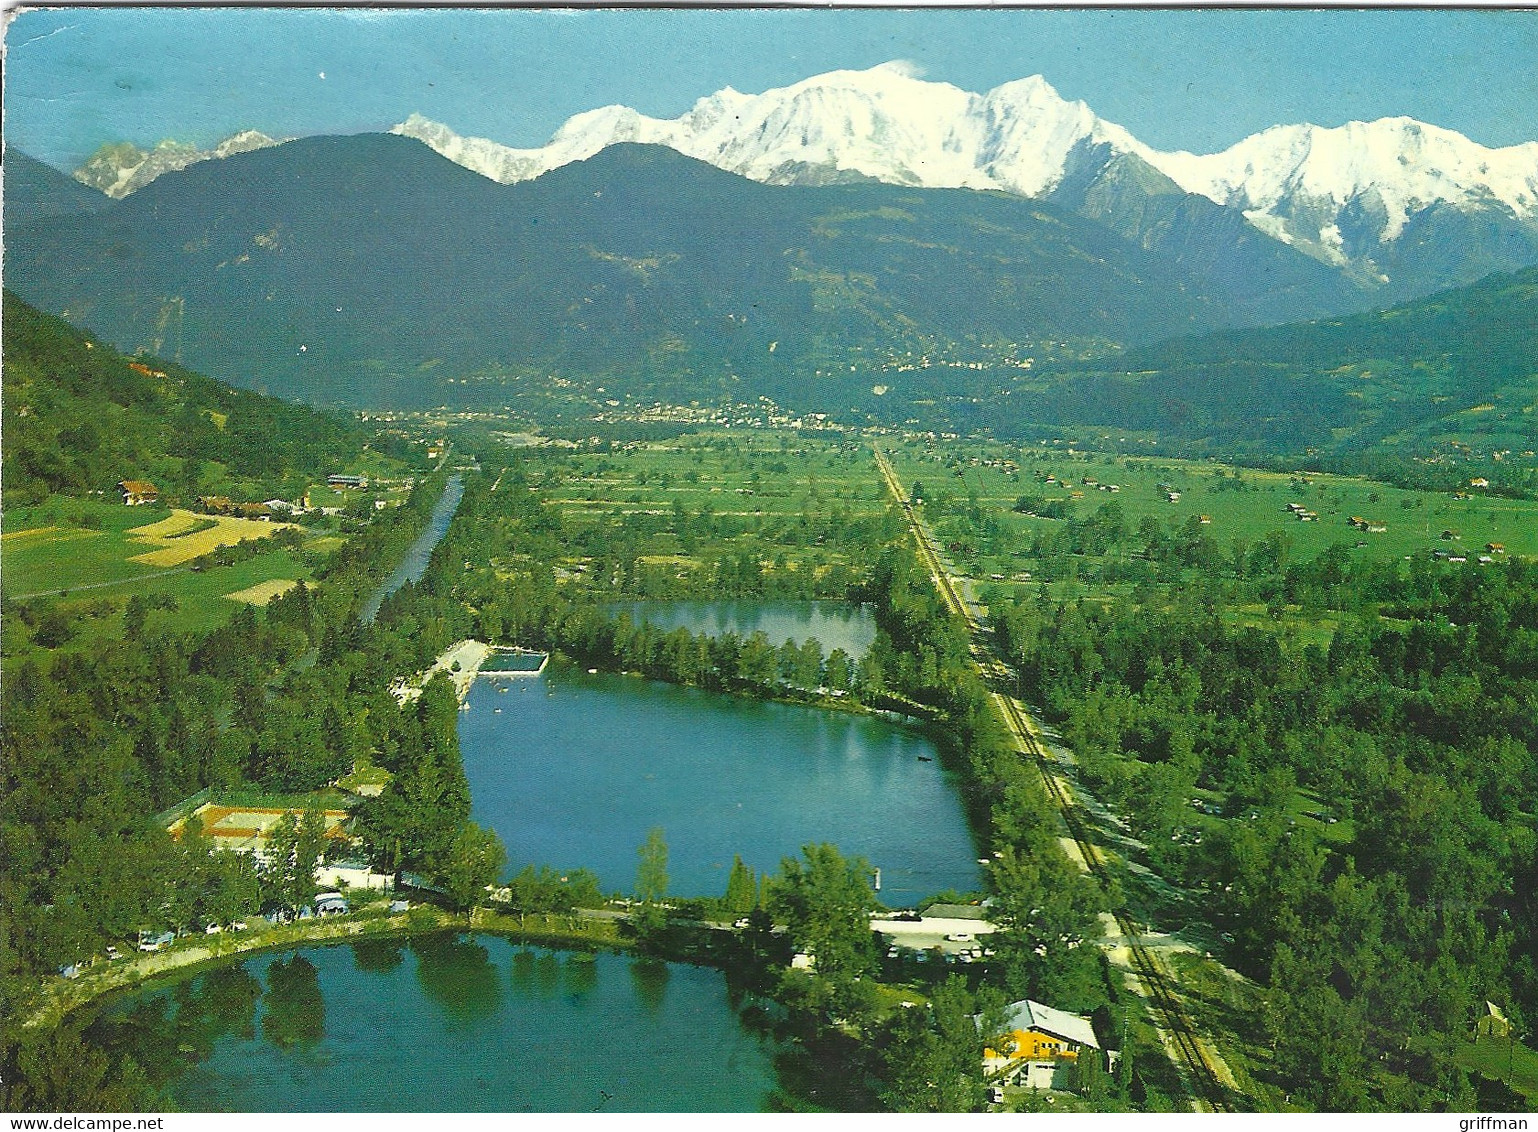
(446,1023)
(573,770)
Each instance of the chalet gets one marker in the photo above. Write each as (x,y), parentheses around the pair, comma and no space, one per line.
(136,492)
(216,505)
(1172,496)
(258,511)
(347,481)
(1038,1044)
(1496,547)
(1480,482)
(139,367)
(1204,519)
(1377,528)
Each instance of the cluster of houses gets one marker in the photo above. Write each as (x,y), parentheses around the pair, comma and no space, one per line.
(1456,556)
(1302,513)
(262,512)
(1087,481)
(137,493)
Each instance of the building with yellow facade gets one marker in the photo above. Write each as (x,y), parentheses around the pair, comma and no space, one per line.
(1037,1046)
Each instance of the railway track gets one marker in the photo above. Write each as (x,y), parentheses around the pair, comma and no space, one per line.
(1206,1087)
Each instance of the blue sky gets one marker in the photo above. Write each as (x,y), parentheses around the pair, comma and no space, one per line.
(1195,79)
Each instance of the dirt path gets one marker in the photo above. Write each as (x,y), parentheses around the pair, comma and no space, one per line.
(100,585)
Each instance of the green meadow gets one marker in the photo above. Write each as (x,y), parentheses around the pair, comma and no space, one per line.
(1238,504)
(73,556)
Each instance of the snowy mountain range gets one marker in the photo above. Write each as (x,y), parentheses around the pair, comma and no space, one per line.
(1344,195)
(1394,208)
(119,168)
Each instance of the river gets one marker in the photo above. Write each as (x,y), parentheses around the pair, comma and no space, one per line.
(414,564)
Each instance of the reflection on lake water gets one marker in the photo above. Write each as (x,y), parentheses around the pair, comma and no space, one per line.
(837,625)
(445,1023)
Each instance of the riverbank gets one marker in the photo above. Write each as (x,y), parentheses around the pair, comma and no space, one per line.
(60,997)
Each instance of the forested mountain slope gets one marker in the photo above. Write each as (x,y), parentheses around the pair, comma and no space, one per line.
(1461,366)
(369,270)
(79,417)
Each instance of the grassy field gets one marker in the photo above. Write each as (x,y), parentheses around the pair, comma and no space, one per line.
(185,536)
(201,600)
(758,483)
(1502,1060)
(48,558)
(1239,504)
(77,543)
(263,592)
(87,557)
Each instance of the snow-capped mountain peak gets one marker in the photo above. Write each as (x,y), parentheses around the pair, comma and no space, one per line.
(121,168)
(1340,193)
(1299,178)
(884,123)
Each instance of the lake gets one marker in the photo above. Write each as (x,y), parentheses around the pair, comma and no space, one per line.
(420,553)
(573,770)
(445,1023)
(837,625)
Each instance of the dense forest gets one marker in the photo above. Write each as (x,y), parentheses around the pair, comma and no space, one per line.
(1384,909)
